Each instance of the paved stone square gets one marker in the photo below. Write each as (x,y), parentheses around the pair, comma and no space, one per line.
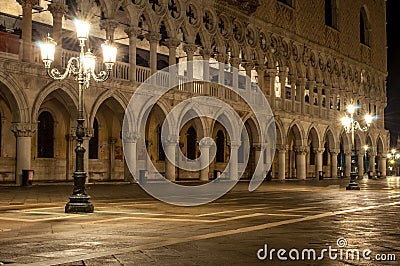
(129,227)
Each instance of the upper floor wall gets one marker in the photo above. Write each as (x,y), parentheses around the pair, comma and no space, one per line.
(311,20)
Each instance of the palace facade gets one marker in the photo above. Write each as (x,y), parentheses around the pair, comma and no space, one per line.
(310,59)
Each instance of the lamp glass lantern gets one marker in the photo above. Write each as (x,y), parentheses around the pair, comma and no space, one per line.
(82,29)
(47,49)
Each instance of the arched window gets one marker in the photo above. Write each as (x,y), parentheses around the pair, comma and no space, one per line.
(191,138)
(45,135)
(220,147)
(94,142)
(287,2)
(161,153)
(364,28)
(331,14)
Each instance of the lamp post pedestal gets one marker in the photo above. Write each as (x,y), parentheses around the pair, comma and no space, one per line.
(353,185)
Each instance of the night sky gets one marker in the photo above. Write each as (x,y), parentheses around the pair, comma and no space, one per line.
(392,112)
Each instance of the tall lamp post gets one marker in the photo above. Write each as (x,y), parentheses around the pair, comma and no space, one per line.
(350,126)
(82,68)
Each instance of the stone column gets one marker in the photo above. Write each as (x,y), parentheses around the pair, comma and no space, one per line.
(170,151)
(270,86)
(130,149)
(57,10)
(233,163)
(281,161)
(302,87)
(334,153)
(282,80)
(360,163)
(248,66)
(221,70)
(311,86)
(260,72)
(132,33)
(109,25)
(318,167)
(327,101)
(235,62)
(27,28)
(372,162)
(382,165)
(189,49)
(206,53)
(293,92)
(301,152)
(347,169)
(258,154)
(204,147)
(23,132)
(320,88)
(112,142)
(172,45)
(153,38)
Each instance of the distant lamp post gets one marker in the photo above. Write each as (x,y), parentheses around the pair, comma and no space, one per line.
(83,69)
(350,126)
(393,156)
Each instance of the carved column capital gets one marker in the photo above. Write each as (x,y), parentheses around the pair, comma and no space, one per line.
(132,31)
(172,43)
(57,9)
(24,129)
(248,66)
(235,61)
(281,148)
(109,25)
(130,137)
(301,150)
(153,37)
(206,143)
(28,3)
(318,150)
(206,53)
(189,48)
(334,151)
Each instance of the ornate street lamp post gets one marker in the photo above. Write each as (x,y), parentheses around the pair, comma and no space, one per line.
(82,68)
(350,126)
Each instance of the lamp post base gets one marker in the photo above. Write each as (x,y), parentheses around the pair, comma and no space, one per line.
(353,184)
(79,203)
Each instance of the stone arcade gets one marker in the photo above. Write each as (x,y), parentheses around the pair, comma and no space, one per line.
(310,58)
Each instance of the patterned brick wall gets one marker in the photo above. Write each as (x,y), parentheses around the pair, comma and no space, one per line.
(307,19)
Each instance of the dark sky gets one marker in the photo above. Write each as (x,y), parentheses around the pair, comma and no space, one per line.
(392,112)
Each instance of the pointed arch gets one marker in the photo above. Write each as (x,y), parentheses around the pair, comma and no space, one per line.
(15,96)
(365,27)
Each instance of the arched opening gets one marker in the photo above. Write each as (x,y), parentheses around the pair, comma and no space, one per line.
(331,14)
(45,148)
(191,143)
(364,28)
(220,156)
(94,141)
